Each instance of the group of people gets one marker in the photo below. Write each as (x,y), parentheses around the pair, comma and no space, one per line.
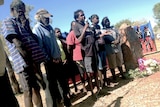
(88,48)
(146,39)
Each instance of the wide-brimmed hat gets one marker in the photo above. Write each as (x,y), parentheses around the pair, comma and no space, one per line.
(44,12)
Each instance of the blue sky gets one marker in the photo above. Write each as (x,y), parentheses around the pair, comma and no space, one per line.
(63,10)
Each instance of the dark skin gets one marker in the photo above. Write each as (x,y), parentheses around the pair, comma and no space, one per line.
(19,14)
(45,21)
(81,19)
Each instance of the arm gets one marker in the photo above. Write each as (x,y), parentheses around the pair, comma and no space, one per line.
(117,40)
(19,47)
(37,33)
(80,38)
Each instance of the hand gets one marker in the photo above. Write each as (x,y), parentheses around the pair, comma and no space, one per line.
(57,60)
(104,33)
(64,62)
(114,42)
(86,24)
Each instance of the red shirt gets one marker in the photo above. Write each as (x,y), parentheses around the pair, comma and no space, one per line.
(72,40)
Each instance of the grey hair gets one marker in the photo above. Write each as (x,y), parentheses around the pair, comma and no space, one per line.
(16,4)
(37,17)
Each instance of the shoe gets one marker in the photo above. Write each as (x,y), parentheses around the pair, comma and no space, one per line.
(114,78)
(123,77)
(67,102)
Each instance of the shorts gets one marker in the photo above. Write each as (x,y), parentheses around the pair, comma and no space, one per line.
(28,79)
(90,64)
(115,60)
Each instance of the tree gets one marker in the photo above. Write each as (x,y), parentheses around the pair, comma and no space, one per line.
(29,8)
(127,21)
(1,2)
(139,22)
(156,12)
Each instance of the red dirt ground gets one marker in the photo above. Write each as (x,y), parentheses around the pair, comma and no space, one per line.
(142,92)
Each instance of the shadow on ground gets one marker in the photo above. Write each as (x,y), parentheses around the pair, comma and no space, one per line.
(85,100)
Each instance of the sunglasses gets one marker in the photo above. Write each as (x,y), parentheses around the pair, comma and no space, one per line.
(82,15)
(58,32)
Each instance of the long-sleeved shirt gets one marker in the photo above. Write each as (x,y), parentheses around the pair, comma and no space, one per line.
(47,40)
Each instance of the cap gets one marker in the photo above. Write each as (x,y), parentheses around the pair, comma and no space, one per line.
(44,12)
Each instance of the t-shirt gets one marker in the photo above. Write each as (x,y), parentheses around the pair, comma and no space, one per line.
(88,42)
(72,40)
(63,56)
(111,48)
(9,29)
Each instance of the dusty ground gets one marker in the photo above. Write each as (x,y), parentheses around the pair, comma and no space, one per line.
(142,92)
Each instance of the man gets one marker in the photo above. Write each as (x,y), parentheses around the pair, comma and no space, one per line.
(24,52)
(86,37)
(6,94)
(47,40)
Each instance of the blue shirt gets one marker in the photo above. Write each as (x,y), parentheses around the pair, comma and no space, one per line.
(47,40)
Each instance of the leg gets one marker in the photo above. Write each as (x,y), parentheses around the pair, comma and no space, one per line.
(90,82)
(106,80)
(96,80)
(121,72)
(52,83)
(39,76)
(74,83)
(81,69)
(100,71)
(14,82)
(63,84)
(37,97)
(27,99)
(100,77)
(112,64)
(113,74)
(26,91)
(82,76)
(28,82)
(12,77)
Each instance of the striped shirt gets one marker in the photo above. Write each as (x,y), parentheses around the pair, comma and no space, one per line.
(36,54)
(16,59)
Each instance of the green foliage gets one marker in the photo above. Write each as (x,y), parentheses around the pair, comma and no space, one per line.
(29,8)
(139,22)
(137,73)
(127,21)
(156,12)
